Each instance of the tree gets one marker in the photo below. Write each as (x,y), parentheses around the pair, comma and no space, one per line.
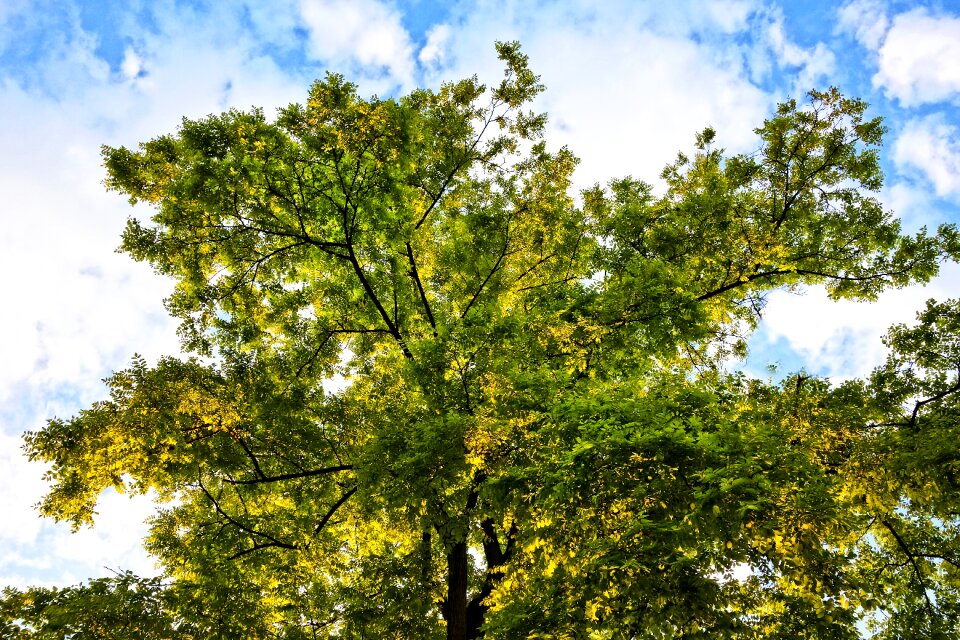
(122,607)
(537,435)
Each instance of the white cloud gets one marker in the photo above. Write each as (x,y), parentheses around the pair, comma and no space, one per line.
(434,52)
(17,498)
(116,540)
(274,22)
(914,205)
(866,20)
(604,111)
(49,550)
(78,310)
(730,15)
(680,18)
(811,64)
(842,339)
(367,32)
(917,52)
(80,307)
(625,89)
(919,61)
(132,65)
(931,146)
(214,65)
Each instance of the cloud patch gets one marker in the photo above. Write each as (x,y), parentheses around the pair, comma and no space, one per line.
(359,32)
(845,340)
(434,52)
(627,86)
(917,52)
(810,64)
(920,58)
(930,147)
(866,20)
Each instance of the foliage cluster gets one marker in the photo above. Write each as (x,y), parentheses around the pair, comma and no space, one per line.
(537,434)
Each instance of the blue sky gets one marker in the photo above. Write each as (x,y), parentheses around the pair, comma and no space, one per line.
(628,85)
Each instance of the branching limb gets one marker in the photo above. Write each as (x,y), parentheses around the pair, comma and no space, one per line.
(802,272)
(372,297)
(435,199)
(332,510)
(253,459)
(271,541)
(922,403)
(293,476)
(414,273)
(912,558)
(496,267)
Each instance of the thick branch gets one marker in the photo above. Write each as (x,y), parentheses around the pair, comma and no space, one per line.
(496,267)
(292,476)
(802,272)
(258,546)
(493,554)
(332,510)
(253,458)
(495,558)
(939,396)
(239,525)
(913,561)
(391,327)
(423,295)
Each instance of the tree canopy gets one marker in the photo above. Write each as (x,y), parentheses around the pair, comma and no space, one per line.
(426,392)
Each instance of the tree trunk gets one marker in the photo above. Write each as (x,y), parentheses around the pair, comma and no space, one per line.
(455,610)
